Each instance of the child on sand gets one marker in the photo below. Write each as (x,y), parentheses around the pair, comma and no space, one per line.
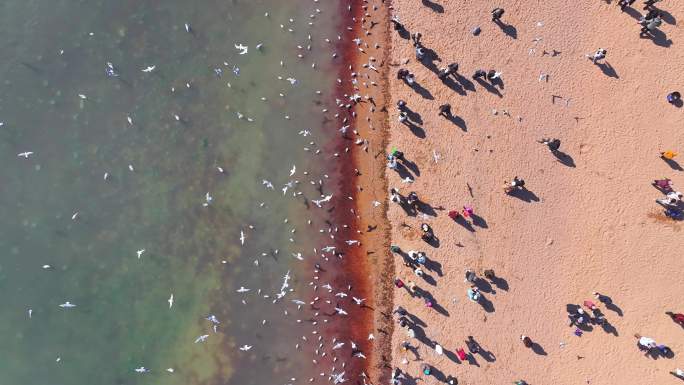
(668,155)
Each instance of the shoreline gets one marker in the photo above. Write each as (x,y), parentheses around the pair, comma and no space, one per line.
(368,267)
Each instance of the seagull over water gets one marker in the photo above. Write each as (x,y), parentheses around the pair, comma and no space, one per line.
(242,237)
(140,252)
(142,369)
(245,348)
(243,289)
(25,154)
(202,338)
(243,49)
(170,301)
(149,69)
(67,305)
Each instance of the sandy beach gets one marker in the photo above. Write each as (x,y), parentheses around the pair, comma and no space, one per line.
(588,221)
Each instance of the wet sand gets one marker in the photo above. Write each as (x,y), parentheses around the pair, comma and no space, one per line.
(361,201)
(589,220)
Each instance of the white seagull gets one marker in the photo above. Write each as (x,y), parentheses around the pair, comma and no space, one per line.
(140,252)
(243,49)
(242,289)
(170,301)
(293,170)
(142,369)
(358,300)
(149,68)
(242,237)
(201,338)
(25,154)
(245,348)
(67,305)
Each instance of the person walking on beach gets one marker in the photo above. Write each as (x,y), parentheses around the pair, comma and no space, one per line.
(515,184)
(493,76)
(452,68)
(410,79)
(397,24)
(412,199)
(479,74)
(527,341)
(668,155)
(403,117)
(649,3)
(401,105)
(625,3)
(445,110)
(674,97)
(496,15)
(600,54)
(676,317)
(428,235)
(649,25)
(402,73)
(553,144)
(395,196)
(416,39)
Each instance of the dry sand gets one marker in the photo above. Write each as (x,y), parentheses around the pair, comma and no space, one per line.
(595,226)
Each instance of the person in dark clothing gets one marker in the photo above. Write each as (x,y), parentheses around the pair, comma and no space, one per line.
(401,105)
(479,74)
(445,110)
(402,73)
(443,74)
(649,3)
(416,39)
(674,97)
(496,14)
(553,144)
(625,3)
(452,68)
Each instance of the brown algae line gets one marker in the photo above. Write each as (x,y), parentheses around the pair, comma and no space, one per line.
(369,267)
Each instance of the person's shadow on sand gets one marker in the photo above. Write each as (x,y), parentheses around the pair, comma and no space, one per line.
(564,159)
(524,195)
(673,164)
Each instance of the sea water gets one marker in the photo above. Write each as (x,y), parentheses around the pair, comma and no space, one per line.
(140,184)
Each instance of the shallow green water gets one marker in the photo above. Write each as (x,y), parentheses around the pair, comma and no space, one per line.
(55,50)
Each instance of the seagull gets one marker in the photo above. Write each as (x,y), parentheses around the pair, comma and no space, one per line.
(213,319)
(82,96)
(170,301)
(338,378)
(67,305)
(170,370)
(25,154)
(293,170)
(207,200)
(371,337)
(130,120)
(267,184)
(242,237)
(140,252)
(292,81)
(242,289)
(360,355)
(47,267)
(341,311)
(187,28)
(298,302)
(243,49)
(201,338)
(149,68)
(245,348)
(358,300)
(73,217)
(328,249)
(30,312)
(341,294)
(338,345)
(142,369)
